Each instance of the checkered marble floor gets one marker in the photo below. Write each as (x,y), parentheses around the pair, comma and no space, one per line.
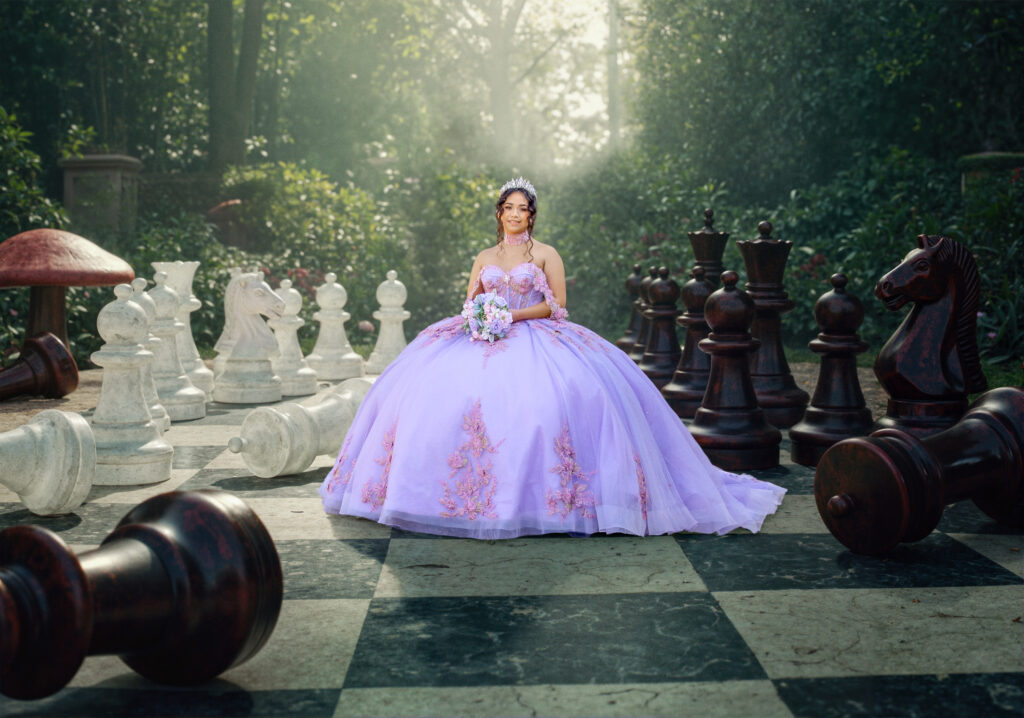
(381,622)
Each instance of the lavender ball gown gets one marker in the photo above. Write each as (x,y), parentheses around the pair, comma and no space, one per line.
(551,429)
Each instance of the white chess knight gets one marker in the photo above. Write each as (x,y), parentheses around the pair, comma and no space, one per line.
(179,278)
(284,439)
(49,462)
(156,409)
(180,398)
(248,376)
(297,379)
(391,296)
(332,357)
(129,447)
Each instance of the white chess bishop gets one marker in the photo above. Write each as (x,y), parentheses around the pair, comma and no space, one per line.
(333,358)
(391,295)
(297,379)
(180,398)
(156,409)
(180,276)
(225,342)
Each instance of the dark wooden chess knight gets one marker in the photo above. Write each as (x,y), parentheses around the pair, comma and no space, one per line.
(930,364)
(628,338)
(877,491)
(187,586)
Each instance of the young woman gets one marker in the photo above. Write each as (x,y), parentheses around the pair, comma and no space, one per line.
(550,429)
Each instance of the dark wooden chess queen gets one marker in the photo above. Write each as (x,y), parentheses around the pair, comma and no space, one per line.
(708,246)
(930,364)
(628,338)
(878,491)
(187,586)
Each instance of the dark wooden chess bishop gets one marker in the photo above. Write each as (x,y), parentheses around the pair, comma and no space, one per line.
(891,487)
(186,586)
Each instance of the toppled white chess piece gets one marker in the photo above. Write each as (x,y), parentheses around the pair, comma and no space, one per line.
(332,358)
(391,296)
(297,379)
(180,398)
(248,377)
(179,278)
(129,448)
(284,439)
(49,462)
(156,409)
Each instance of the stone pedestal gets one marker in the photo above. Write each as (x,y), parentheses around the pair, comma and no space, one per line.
(297,379)
(628,338)
(182,401)
(179,278)
(156,409)
(49,462)
(101,196)
(44,368)
(662,353)
(689,382)
(643,332)
(391,295)
(332,358)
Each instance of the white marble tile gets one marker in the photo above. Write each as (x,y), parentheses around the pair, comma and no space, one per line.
(203,435)
(137,494)
(1005,549)
(305,519)
(798,514)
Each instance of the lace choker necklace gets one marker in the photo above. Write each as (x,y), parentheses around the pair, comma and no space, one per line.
(514,240)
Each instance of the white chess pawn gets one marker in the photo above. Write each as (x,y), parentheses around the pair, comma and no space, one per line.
(179,278)
(283,440)
(297,379)
(224,342)
(333,358)
(129,448)
(49,462)
(180,398)
(156,409)
(248,376)
(391,296)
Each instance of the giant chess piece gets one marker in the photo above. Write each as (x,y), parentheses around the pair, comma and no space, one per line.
(284,439)
(628,338)
(49,462)
(297,379)
(156,410)
(891,487)
(643,332)
(332,358)
(729,425)
(226,340)
(837,409)
(689,383)
(187,586)
(708,246)
(44,367)
(180,398)
(130,449)
(778,395)
(662,353)
(248,376)
(391,295)
(179,278)
(930,364)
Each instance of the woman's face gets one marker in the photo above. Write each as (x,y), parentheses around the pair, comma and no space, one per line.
(515,213)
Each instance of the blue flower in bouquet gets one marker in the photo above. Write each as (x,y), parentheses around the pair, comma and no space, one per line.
(486,317)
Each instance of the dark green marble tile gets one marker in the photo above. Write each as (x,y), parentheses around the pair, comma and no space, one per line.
(242,483)
(529,640)
(966,518)
(344,568)
(90,524)
(794,478)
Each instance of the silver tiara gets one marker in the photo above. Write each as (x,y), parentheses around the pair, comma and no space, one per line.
(519,183)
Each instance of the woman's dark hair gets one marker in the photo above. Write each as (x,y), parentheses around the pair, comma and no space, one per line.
(499,208)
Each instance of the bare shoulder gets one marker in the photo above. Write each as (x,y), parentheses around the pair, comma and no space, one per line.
(544,253)
(487,255)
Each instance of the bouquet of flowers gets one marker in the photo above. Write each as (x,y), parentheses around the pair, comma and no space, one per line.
(486,317)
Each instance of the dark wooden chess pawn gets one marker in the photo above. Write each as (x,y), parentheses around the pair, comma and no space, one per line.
(187,586)
(708,246)
(44,368)
(643,332)
(838,410)
(686,390)
(777,393)
(662,353)
(628,338)
(930,364)
(877,491)
(729,425)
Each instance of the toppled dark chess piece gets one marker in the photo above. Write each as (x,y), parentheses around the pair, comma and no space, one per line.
(781,399)
(891,487)
(930,364)
(708,246)
(44,368)
(729,425)
(663,351)
(838,410)
(644,330)
(686,390)
(186,586)
(628,338)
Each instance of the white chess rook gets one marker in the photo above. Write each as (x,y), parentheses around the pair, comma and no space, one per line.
(283,440)
(248,376)
(179,278)
(49,462)
(180,398)
(333,358)
(297,379)
(391,296)
(156,409)
(129,448)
